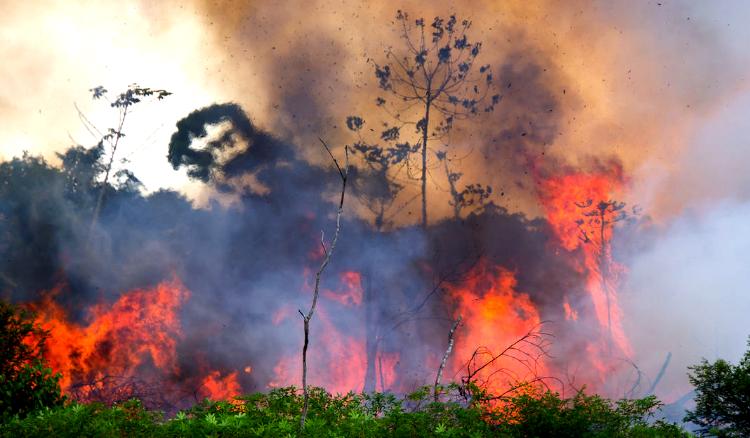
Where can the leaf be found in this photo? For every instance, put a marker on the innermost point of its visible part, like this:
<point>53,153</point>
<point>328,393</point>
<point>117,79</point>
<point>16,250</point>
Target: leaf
<point>354,123</point>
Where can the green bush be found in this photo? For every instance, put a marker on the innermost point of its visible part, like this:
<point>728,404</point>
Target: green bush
<point>26,383</point>
<point>722,400</point>
<point>536,415</point>
<point>276,414</point>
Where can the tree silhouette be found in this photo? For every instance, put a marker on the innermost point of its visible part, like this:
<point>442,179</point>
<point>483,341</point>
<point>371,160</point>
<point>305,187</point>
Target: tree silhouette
<point>431,84</point>
<point>472,195</point>
<point>596,229</point>
<point>378,187</point>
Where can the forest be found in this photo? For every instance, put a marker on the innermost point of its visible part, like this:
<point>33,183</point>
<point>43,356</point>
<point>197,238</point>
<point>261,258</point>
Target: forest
<point>367,280</point>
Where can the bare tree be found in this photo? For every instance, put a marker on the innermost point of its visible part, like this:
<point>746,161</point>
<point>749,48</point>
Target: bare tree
<point>595,228</point>
<point>433,83</point>
<point>327,253</point>
<point>379,187</point>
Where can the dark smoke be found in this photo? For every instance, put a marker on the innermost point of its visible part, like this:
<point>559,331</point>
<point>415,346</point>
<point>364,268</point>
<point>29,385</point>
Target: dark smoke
<point>244,263</point>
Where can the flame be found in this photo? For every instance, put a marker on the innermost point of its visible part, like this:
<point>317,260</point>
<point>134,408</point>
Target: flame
<point>351,295</point>
<point>335,361</point>
<point>140,329</point>
<point>337,358</point>
<point>570,313</point>
<point>125,348</point>
<point>216,387</point>
<point>564,199</point>
<point>495,316</point>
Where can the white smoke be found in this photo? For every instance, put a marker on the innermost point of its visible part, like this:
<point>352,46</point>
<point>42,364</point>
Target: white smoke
<point>688,291</point>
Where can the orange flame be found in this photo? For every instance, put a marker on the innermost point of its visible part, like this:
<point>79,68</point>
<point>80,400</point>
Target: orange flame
<point>122,343</point>
<point>141,328</point>
<point>216,387</point>
<point>562,198</point>
<point>495,316</point>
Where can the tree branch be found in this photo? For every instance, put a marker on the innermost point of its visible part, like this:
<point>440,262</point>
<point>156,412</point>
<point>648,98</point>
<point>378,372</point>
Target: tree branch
<point>445,357</point>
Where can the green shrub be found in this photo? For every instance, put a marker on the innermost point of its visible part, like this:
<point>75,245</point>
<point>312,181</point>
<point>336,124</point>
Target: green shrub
<point>26,383</point>
<point>276,414</point>
<point>547,414</point>
<point>722,401</point>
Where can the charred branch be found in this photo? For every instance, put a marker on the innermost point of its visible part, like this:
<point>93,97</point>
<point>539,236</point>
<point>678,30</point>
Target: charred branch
<point>445,357</point>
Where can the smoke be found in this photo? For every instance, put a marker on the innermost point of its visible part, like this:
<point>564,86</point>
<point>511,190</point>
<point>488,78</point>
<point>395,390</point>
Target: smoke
<point>686,294</point>
<point>657,87</point>
<point>249,266</point>
<point>686,290</point>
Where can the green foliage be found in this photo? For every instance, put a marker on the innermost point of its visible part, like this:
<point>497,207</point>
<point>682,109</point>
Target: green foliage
<point>276,414</point>
<point>26,384</point>
<point>582,416</point>
<point>722,397</point>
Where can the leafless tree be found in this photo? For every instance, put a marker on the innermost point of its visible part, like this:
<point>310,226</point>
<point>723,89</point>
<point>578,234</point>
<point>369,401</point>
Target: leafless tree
<point>327,253</point>
<point>595,228</point>
<point>472,195</point>
<point>528,351</point>
<point>378,186</point>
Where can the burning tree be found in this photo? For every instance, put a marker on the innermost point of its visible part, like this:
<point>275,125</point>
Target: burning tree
<point>432,84</point>
<point>596,229</point>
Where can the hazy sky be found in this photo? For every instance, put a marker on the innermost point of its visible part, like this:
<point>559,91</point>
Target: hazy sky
<point>644,81</point>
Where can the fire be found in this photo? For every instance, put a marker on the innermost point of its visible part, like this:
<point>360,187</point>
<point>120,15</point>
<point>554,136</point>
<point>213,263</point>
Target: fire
<point>217,387</point>
<point>570,312</point>
<point>576,209</point>
<point>338,359</point>
<point>495,316</point>
<point>140,329</point>
<point>351,295</point>
<point>126,348</point>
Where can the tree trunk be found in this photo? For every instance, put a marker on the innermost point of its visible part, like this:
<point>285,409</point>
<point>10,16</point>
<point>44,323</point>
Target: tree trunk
<point>371,334</point>
<point>425,131</point>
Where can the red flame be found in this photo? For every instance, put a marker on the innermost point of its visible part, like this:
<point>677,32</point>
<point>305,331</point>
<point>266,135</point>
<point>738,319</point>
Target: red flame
<point>351,295</point>
<point>495,316</point>
<point>338,362</point>
<point>141,328</point>
<point>217,387</point>
<point>566,199</point>
<point>126,347</point>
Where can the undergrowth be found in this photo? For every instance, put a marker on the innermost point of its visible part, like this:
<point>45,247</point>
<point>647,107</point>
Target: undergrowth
<point>276,414</point>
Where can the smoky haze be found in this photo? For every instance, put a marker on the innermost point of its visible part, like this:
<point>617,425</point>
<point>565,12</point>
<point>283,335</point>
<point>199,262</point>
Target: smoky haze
<point>657,87</point>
